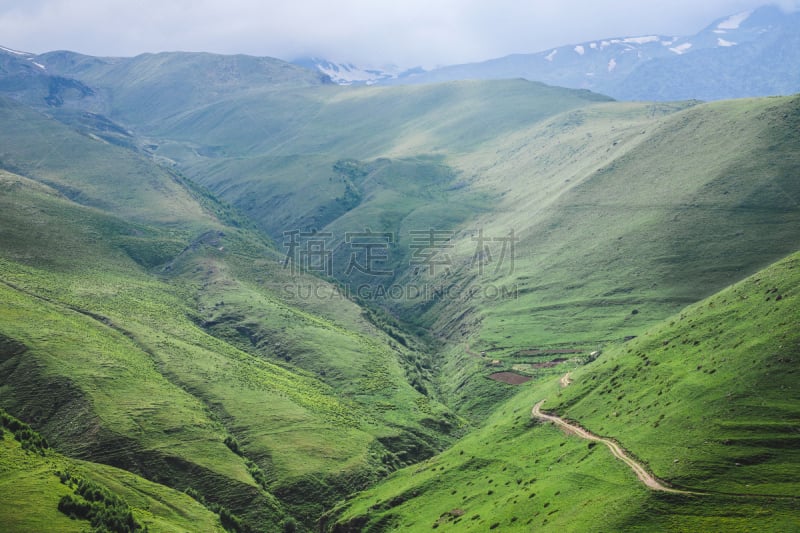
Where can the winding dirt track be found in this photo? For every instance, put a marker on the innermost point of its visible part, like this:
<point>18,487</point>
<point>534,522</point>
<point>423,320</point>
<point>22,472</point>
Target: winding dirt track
<point>565,381</point>
<point>648,479</point>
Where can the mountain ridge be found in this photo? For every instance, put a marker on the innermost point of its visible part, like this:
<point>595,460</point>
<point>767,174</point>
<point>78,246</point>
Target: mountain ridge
<point>650,66</point>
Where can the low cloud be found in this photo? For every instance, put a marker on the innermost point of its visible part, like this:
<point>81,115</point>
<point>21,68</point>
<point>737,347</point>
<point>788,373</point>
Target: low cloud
<point>408,33</point>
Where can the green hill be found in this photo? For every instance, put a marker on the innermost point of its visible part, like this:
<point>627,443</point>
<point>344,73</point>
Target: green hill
<point>36,480</point>
<point>142,309</point>
<point>148,88</point>
<point>625,223</point>
<point>707,400</point>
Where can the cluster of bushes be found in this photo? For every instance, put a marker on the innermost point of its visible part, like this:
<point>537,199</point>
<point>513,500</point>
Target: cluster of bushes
<point>258,475</point>
<point>233,445</point>
<point>383,321</point>
<point>103,509</point>
<point>350,172</point>
<point>22,432</point>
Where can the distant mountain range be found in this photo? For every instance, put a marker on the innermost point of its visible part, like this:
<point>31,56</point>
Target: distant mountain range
<point>754,53</point>
<point>749,54</point>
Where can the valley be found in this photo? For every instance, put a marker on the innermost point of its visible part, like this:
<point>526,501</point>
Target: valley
<point>235,294</point>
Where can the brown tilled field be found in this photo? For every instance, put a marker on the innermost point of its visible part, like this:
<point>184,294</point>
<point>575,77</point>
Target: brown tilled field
<point>510,377</point>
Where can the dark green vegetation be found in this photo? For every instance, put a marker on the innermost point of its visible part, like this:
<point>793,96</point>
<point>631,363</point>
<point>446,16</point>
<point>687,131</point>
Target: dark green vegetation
<point>103,509</point>
<point>29,439</point>
<point>147,321</point>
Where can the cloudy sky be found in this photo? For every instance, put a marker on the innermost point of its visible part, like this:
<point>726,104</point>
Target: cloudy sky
<point>372,32</point>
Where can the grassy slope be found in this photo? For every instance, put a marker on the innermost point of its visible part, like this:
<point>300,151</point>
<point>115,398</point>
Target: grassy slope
<point>712,387</point>
<point>150,87</point>
<point>106,177</point>
<point>31,491</point>
<point>125,354</point>
<point>107,381</point>
<point>272,153</point>
<point>625,212</point>
<point>710,398</point>
<point>633,217</point>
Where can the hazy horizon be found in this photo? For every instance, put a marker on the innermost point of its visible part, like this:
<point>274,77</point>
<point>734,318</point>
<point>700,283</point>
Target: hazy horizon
<point>410,34</point>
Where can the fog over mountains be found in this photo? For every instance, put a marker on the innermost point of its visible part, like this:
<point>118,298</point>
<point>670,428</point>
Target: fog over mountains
<point>754,53</point>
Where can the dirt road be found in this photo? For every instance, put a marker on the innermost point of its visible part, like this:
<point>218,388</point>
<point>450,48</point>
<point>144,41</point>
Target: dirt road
<point>648,479</point>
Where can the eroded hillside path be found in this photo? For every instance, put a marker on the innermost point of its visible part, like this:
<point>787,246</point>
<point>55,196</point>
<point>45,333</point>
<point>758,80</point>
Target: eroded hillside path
<point>644,476</point>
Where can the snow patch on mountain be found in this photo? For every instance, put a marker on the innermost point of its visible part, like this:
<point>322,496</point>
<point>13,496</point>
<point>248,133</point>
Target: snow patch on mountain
<point>681,48</point>
<point>580,50</point>
<point>551,56</point>
<point>735,21</point>
<point>37,64</point>
<point>723,42</point>
<point>612,65</point>
<point>642,40</point>
<point>15,52</point>
<point>350,74</point>
<point>346,74</point>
